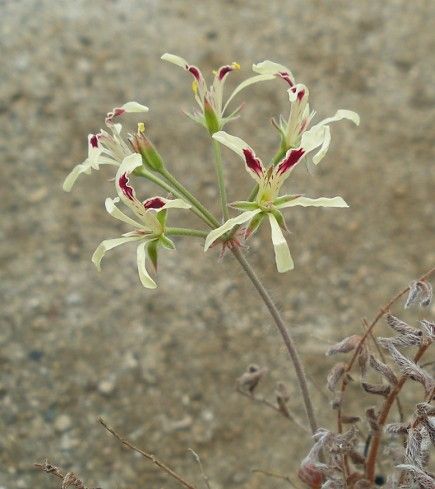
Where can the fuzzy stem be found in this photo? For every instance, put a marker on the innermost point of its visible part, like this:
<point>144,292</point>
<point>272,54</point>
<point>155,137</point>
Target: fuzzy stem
<point>186,232</point>
<point>288,341</point>
<point>220,178</point>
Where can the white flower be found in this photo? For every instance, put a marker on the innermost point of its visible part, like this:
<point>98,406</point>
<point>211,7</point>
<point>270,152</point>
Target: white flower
<point>267,202</point>
<point>212,113</point>
<point>148,223</point>
<point>105,148</point>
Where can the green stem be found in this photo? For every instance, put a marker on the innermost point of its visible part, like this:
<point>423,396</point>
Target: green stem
<point>288,340</point>
<point>205,214</point>
<point>220,178</point>
<point>186,232</point>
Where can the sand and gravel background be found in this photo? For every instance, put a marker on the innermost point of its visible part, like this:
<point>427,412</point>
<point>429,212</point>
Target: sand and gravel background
<point>161,366</point>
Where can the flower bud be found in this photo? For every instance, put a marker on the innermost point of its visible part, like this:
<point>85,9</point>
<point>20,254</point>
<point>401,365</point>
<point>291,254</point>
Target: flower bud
<point>141,144</point>
<point>211,118</point>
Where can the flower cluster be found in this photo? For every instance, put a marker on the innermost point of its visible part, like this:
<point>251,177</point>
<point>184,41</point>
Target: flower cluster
<point>137,156</point>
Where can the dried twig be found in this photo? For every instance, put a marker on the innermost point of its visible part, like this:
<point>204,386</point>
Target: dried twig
<point>271,405</point>
<point>163,467</point>
<point>68,479</point>
<point>268,473</point>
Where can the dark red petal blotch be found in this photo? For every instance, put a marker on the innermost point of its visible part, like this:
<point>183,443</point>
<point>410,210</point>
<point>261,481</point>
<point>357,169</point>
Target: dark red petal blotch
<point>291,159</point>
<point>125,187</point>
<point>154,203</point>
<point>253,163</point>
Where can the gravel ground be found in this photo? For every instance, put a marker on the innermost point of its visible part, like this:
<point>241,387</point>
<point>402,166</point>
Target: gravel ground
<point>161,366</point>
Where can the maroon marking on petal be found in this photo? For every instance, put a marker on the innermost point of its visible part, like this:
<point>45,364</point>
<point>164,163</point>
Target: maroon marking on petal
<point>125,187</point>
<point>194,71</point>
<point>253,163</point>
<point>154,203</point>
<point>301,94</point>
<point>291,159</point>
<point>286,76</point>
<point>118,111</point>
<point>93,140</point>
<point>224,70</point>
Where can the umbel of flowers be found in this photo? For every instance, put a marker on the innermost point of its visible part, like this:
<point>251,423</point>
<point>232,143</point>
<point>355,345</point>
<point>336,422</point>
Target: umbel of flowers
<point>135,156</point>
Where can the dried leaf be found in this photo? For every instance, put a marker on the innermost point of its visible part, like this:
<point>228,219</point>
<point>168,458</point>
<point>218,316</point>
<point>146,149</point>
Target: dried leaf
<point>350,419</point>
<point>378,389</point>
<point>335,375</point>
<point>397,428</point>
<point>357,458</point>
<point>372,419</point>
<point>250,379</point>
<point>428,328</point>
<point>344,346</point>
<point>409,368</point>
<point>420,292</point>
<point>383,369</point>
<point>423,478</point>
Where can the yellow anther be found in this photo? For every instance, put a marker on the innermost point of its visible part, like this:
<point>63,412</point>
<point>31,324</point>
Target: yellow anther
<point>214,72</point>
<point>140,127</point>
<point>235,65</point>
<point>195,86</point>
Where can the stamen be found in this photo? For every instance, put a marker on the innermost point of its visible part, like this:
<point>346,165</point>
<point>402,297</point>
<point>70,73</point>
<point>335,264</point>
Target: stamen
<point>195,86</point>
<point>140,128</point>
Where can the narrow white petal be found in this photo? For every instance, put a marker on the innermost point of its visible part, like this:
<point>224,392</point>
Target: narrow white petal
<point>117,214</point>
<point>134,107</point>
<point>232,142</point>
<point>268,67</point>
<point>324,148</point>
<point>339,115</point>
<point>313,138</point>
<point>283,259</point>
<point>73,175</point>
<point>319,202</point>
<point>176,60</point>
<point>144,276</point>
<point>175,204</point>
<point>228,225</point>
<point>247,83</point>
<point>107,245</point>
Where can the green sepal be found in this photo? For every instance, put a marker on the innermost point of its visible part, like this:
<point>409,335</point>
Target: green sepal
<point>254,224</point>
<point>280,219</point>
<point>286,198</point>
<point>211,119</point>
<point>162,217</point>
<point>166,242</point>
<point>152,252</point>
<point>244,205</point>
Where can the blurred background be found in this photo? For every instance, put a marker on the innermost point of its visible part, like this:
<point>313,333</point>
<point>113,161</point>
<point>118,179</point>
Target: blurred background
<point>161,366</point>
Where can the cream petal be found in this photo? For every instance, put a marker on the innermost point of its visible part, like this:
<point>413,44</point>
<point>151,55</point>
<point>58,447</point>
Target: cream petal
<point>283,259</point>
<point>247,83</point>
<point>253,165</point>
<point>228,225</point>
<point>73,175</point>
<point>107,245</point>
<point>134,107</point>
<point>117,214</point>
<point>339,115</point>
<point>268,67</point>
<point>144,276</point>
<point>324,148</point>
<point>319,202</point>
<point>175,204</point>
<point>176,60</point>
